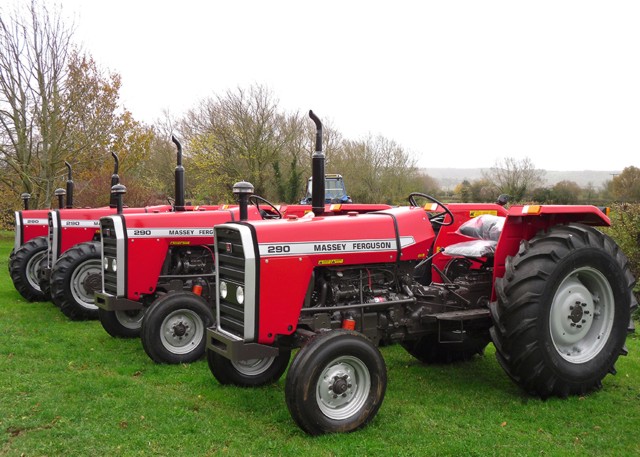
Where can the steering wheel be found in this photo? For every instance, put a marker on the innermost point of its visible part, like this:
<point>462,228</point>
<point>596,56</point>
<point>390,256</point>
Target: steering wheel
<point>437,218</point>
<point>256,199</point>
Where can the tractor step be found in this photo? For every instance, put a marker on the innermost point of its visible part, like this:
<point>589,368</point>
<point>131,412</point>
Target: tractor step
<point>468,314</point>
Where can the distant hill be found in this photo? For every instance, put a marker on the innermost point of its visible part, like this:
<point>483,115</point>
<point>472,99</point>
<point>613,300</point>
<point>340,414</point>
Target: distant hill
<point>448,178</point>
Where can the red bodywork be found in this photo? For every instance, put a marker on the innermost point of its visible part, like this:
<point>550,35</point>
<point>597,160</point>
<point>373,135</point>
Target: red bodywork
<point>30,223</point>
<point>148,238</point>
<point>292,249</point>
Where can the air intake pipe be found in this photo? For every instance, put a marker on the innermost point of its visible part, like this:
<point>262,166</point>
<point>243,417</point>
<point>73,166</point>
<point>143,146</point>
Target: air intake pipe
<point>243,190</point>
<point>60,193</point>
<point>179,174</point>
<point>317,170</point>
<point>115,179</point>
<point>25,196</point>
<point>70,185</point>
<point>117,192</point>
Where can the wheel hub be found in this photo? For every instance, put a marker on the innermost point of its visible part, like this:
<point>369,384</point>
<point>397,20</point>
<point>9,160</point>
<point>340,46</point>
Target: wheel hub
<point>92,283</point>
<point>180,329</point>
<point>340,385</point>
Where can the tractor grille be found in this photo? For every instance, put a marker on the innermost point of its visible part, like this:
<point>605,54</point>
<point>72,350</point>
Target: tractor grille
<point>109,250</point>
<point>231,273</point>
<point>51,241</point>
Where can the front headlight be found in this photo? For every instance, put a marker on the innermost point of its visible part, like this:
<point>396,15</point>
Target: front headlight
<point>240,295</point>
<point>223,289</point>
<point>105,264</point>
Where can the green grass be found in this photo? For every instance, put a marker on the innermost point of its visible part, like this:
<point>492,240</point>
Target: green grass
<point>69,389</point>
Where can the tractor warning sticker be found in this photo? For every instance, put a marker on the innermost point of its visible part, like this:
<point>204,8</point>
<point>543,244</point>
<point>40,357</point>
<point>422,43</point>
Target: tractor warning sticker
<point>331,246</point>
<point>331,262</point>
<point>478,212</point>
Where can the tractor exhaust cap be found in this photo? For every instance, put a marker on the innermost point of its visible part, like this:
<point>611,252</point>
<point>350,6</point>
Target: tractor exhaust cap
<point>317,170</point>
<point>243,190</point>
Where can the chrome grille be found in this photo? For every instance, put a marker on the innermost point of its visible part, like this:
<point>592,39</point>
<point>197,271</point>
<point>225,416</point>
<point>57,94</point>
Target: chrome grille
<point>110,250</point>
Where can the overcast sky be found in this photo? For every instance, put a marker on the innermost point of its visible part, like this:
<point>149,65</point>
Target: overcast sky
<point>456,83</point>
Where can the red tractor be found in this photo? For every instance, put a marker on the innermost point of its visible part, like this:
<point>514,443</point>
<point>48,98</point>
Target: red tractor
<point>30,247</point>
<point>552,292</point>
<point>75,254</point>
<point>158,272</point>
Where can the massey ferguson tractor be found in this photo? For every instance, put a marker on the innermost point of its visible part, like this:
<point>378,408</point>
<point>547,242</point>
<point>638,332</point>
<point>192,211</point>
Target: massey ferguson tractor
<point>552,292</point>
<point>30,247</point>
<point>158,272</point>
<point>74,270</point>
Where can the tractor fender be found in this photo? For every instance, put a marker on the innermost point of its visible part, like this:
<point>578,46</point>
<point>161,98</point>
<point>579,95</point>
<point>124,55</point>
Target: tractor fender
<point>524,221</point>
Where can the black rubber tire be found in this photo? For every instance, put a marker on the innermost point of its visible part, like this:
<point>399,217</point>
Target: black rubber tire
<point>76,275</point>
<point>428,349</point>
<point>11,256</point>
<point>545,301</point>
<point>122,324</point>
<point>43,282</point>
<point>23,268</point>
<point>174,328</point>
<point>250,373</point>
<point>342,367</point>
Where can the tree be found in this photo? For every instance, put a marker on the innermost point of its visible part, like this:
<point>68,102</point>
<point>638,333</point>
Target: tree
<point>33,66</point>
<point>566,193</point>
<point>514,177</point>
<point>56,105</point>
<point>626,185</point>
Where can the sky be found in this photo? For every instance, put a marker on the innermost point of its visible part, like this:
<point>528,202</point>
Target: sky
<point>456,83</point>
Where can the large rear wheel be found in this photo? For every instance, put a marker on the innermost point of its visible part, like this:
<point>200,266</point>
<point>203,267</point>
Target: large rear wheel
<point>336,383</point>
<point>451,347</point>
<point>563,311</point>
<point>24,268</point>
<point>75,278</point>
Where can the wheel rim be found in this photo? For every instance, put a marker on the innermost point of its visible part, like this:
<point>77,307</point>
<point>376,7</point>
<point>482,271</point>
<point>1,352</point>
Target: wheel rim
<point>131,320</point>
<point>581,316</point>
<point>182,331</point>
<point>343,387</point>
<point>253,367</point>
<point>85,281</point>
<point>32,270</point>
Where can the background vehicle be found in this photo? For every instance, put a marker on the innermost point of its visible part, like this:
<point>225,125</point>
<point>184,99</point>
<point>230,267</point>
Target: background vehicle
<point>553,294</point>
<point>334,190</point>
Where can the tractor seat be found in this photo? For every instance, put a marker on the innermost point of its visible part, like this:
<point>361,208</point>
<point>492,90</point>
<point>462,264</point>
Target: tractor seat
<point>486,229</point>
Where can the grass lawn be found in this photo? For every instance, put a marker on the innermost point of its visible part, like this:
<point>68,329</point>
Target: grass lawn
<point>69,389</point>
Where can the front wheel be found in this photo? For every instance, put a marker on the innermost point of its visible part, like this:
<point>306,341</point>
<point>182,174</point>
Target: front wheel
<point>24,268</point>
<point>121,324</point>
<point>248,373</point>
<point>75,278</point>
<point>563,311</point>
<point>174,328</point>
<point>336,383</point>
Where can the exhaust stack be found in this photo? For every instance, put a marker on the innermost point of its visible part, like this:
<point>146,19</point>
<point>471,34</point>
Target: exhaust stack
<point>317,170</point>
<point>115,179</point>
<point>179,173</point>
<point>70,186</point>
